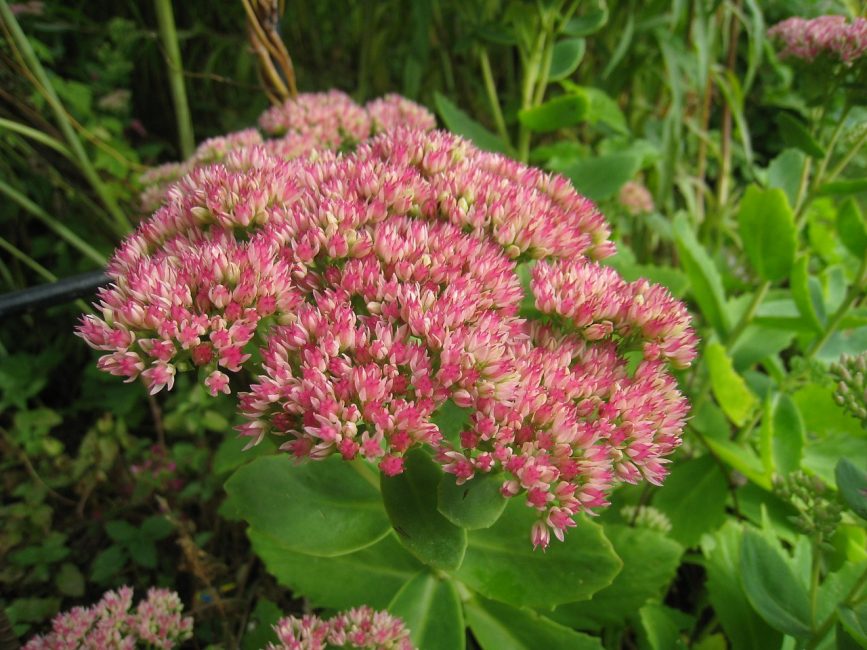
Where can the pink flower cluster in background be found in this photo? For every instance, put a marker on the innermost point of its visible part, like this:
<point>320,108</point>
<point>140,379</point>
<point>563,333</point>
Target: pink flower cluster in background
<point>361,627</point>
<point>346,297</point>
<point>831,36</point>
<point>312,123</point>
<point>156,622</point>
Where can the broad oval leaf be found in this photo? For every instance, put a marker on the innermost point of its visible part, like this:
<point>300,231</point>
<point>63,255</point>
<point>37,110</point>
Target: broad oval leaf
<point>501,564</point>
<point>557,113</point>
<point>475,504</point>
<point>767,228</point>
<point>322,508</point>
<point>704,278</point>
<point>694,499</point>
<point>411,502</point>
<point>743,626</point>
<point>591,21</point>
<point>497,626</point>
<point>789,435</point>
<point>852,483</point>
<point>432,611</point>
<point>600,178</point>
<point>371,576</point>
<point>772,587</point>
<point>457,121</point>
<point>854,621</point>
<point>650,561</point>
<point>566,57</point>
<point>729,388</point>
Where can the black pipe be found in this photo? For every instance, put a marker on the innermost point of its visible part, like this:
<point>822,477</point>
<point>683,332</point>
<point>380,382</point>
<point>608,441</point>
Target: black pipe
<point>53,293</point>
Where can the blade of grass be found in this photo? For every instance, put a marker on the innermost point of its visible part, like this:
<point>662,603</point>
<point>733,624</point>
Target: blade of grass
<point>61,230</point>
<point>31,61</point>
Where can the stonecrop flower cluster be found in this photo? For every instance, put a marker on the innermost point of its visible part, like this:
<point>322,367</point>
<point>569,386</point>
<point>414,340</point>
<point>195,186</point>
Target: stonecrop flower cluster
<point>345,297</point>
<point>313,122</point>
<point>361,627</point>
<point>156,622</point>
<point>831,36</point>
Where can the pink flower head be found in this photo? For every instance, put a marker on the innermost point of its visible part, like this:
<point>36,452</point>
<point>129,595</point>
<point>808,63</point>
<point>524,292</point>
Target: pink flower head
<point>157,621</point>
<point>352,295</point>
<point>361,627</point>
<point>831,36</point>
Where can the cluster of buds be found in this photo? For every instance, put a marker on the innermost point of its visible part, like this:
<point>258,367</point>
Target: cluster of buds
<point>647,517</point>
<point>158,470</point>
<point>347,297</point>
<point>819,512</point>
<point>361,627</point>
<point>636,199</point>
<point>829,36</point>
<point>156,622</point>
<point>851,391</point>
<point>305,126</point>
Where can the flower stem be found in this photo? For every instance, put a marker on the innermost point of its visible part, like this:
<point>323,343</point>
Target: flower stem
<point>493,98</point>
<point>829,621</point>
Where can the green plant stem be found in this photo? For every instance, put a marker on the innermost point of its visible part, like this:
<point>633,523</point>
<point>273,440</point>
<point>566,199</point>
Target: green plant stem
<point>748,315</point>
<point>36,135</point>
<point>493,98</point>
<point>855,291</point>
<point>531,73</point>
<point>47,90</point>
<point>169,39</point>
<point>832,143</point>
<point>829,621</point>
<point>61,230</point>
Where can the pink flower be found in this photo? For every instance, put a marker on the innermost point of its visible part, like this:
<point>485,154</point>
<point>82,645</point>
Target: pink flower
<point>361,627</point>
<point>353,295</point>
<point>831,36</point>
<point>157,621</point>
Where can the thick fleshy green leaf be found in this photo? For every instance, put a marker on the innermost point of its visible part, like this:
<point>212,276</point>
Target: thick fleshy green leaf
<point>650,560</point>
<point>411,502</point>
<point>796,135</point>
<point>497,626</point>
<point>767,229</point>
<point>661,626</point>
<point>601,177</point>
<point>729,388</point>
<point>601,107</point>
<point>772,587</point>
<point>744,628</point>
<point>321,508</point>
<point>821,456</point>
<point>501,563</point>
<point>432,611</point>
<point>566,57</point>
<point>784,172</point>
<point>705,281</point>
<point>789,435</point>
<point>806,297</point>
<point>594,16</point>
<point>457,121</point>
<point>475,504</point>
<point>852,483</point>
<point>557,113</point>
<point>852,229</point>
<point>371,576</point>
<point>694,499</point>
